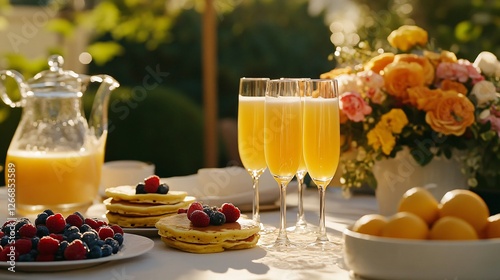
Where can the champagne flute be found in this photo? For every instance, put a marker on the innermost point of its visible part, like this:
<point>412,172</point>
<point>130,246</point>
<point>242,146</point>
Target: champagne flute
<point>321,144</point>
<point>251,101</point>
<point>283,143</point>
<point>301,226</point>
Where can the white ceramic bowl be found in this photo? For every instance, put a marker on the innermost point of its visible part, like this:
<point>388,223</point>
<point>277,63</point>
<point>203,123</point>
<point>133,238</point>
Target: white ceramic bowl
<point>390,258</point>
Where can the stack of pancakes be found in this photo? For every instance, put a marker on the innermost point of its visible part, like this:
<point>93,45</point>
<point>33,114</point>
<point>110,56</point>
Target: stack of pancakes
<point>177,231</point>
<point>128,209</point>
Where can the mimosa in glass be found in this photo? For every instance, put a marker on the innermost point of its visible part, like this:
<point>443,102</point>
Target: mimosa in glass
<point>251,103</point>
<point>321,144</point>
<point>283,143</point>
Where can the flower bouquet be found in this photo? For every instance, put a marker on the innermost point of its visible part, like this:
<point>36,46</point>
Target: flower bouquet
<point>427,101</point>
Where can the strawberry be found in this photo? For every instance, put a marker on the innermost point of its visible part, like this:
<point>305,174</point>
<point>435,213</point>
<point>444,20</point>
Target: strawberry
<point>151,184</point>
<point>231,212</point>
<point>199,218</point>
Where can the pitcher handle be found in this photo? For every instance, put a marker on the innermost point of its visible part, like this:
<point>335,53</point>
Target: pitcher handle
<point>23,88</point>
<point>98,121</point>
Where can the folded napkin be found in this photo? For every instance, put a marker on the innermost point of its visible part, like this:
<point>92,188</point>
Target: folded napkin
<point>215,186</point>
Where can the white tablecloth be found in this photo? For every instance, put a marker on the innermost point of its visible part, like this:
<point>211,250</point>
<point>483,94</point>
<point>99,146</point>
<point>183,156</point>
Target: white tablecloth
<point>163,262</point>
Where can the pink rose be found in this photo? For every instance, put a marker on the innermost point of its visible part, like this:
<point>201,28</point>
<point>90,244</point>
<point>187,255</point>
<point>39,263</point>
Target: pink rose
<point>372,84</point>
<point>354,106</point>
<point>452,71</point>
<point>493,116</point>
<point>472,71</point>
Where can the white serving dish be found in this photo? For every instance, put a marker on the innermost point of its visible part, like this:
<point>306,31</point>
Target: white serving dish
<point>375,257</point>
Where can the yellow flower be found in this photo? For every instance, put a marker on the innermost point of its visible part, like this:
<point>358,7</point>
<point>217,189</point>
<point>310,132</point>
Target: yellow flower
<point>394,120</point>
<point>379,62</point>
<point>332,74</point>
<point>407,36</point>
<point>452,114</point>
<point>381,137</point>
<point>400,76</point>
<point>436,58</point>
<point>422,61</point>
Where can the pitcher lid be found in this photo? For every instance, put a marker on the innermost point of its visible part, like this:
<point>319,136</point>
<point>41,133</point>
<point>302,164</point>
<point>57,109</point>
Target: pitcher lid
<point>56,79</point>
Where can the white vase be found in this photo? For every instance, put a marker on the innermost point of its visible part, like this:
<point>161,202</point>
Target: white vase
<point>397,175</point>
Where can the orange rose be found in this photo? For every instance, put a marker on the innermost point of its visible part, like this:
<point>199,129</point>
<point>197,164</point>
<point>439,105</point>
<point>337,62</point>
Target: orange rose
<point>423,98</point>
<point>407,36</point>
<point>336,72</point>
<point>452,85</point>
<point>398,77</point>
<point>379,62</point>
<point>452,114</point>
<point>423,61</point>
<point>436,58</point>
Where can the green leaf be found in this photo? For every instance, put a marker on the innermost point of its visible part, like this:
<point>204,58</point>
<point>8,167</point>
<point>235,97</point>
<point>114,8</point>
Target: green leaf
<point>61,26</point>
<point>466,31</point>
<point>103,52</point>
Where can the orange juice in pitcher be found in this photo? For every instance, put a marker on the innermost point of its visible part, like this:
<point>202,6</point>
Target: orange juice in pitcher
<point>55,158</point>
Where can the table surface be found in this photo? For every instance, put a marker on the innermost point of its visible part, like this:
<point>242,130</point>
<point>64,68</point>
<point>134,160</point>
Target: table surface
<point>163,262</point>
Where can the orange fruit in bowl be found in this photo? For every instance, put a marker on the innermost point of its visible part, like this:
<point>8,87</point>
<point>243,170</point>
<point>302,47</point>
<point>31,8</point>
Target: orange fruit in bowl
<point>420,202</point>
<point>405,225</point>
<point>371,224</point>
<point>493,227</point>
<point>466,205</point>
<point>452,228</point>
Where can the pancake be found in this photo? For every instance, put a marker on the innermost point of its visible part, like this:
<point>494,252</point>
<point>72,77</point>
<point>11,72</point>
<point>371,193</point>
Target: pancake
<point>135,221</point>
<point>178,232</point>
<point>128,193</point>
<point>212,248</point>
<point>124,207</point>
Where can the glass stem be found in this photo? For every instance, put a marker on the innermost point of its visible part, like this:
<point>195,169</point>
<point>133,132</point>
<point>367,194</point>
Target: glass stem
<point>256,202</point>
<point>301,221</point>
<point>322,229</point>
<point>282,236</point>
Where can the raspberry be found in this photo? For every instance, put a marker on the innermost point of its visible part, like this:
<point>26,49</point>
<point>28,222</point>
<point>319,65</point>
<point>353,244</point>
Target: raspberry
<point>23,246</point>
<point>59,237</point>
<point>192,207</point>
<point>48,245</point>
<point>28,230</point>
<point>199,218</point>
<point>55,223</point>
<point>92,223</point>
<point>45,257</point>
<point>105,232</point>
<point>182,210</point>
<point>2,234</point>
<point>75,251</point>
<point>7,250</point>
<point>231,212</point>
<point>117,229</point>
<point>101,223</point>
<point>74,220</point>
<point>151,184</point>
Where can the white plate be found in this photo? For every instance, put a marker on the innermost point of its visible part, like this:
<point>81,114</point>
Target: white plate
<point>134,245</point>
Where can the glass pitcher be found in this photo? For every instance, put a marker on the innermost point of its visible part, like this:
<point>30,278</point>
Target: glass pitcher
<point>55,158</point>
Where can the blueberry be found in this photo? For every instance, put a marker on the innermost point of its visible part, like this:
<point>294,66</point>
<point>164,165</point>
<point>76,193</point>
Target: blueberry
<point>34,242</point>
<point>163,188</point>
<point>26,258</point>
<point>106,250</point>
<point>42,230</point>
<point>94,253</point>
<point>217,218</point>
<point>85,227</point>
<point>73,236</point>
<point>207,209</point>
<point>90,238</point>
<point>60,250</point>
<point>41,218</point>
<point>4,241</point>
<point>49,212</point>
<point>118,237</point>
<point>21,222</point>
<point>100,242</point>
<point>72,229</point>
<point>7,228</point>
<point>113,243</point>
<point>139,189</point>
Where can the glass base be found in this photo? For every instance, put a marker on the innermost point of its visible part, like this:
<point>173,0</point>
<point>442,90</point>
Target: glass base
<point>65,209</point>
